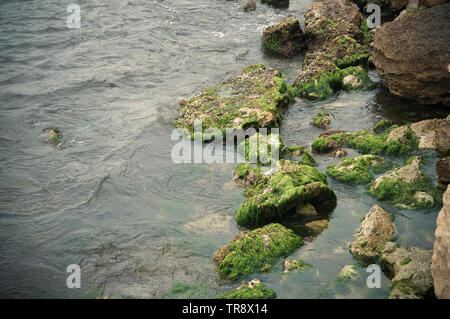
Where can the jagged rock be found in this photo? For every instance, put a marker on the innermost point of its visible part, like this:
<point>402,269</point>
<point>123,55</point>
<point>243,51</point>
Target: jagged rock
<point>376,229</point>
<point>443,172</point>
<point>252,99</point>
<point>440,266</point>
<point>250,6</point>
<point>285,37</point>
<point>405,186</point>
<point>251,290</point>
<point>317,226</point>
<point>278,195</point>
<point>411,55</point>
<point>410,269</point>
<point>356,170</point>
<point>295,265</point>
<point>256,250</point>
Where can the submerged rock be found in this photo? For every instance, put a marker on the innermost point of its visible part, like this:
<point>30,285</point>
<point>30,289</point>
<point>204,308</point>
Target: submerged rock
<point>291,265</point>
<point>253,251</point>
<point>440,266</point>
<point>356,170</point>
<point>348,272</point>
<point>274,197</point>
<point>317,226</point>
<point>321,120</point>
<point>250,6</point>
<point>443,172</point>
<point>410,269</point>
<point>251,290</point>
<point>382,125</point>
<point>285,37</point>
<point>376,229</point>
<point>54,137</point>
<point>297,151</point>
<point>252,99</point>
<point>306,210</point>
<point>411,55</point>
<point>405,186</point>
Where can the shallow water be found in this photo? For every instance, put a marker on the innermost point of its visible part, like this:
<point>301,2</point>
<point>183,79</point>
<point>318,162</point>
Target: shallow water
<point>110,199</point>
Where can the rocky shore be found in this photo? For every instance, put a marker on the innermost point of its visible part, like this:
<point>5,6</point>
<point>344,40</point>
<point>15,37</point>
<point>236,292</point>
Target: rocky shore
<point>411,58</point>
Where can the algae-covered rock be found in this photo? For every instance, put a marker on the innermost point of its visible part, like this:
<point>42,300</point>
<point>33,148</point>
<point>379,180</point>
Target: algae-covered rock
<point>366,142</point>
<point>252,99</point>
<point>317,226</point>
<point>410,269</point>
<point>54,137</point>
<point>246,175</point>
<point>347,273</point>
<point>356,170</point>
<point>382,125</point>
<point>321,120</point>
<point>251,290</point>
<point>376,229</point>
<point>250,6</point>
<point>285,37</point>
<point>292,265</point>
<point>274,197</point>
<point>405,186</point>
<point>259,148</point>
<point>299,152</point>
<point>251,251</point>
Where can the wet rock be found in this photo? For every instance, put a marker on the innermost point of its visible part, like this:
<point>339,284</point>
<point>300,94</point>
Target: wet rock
<point>292,265</point>
<point>252,149</point>
<point>299,152</point>
<point>250,6</point>
<point>434,134</point>
<point>340,153</point>
<point>246,176</point>
<point>348,272</point>
<point>274,197</point>
<point>252,99</point>
<point>382,125</point>
<point>410,269</point>
<point>376,229</point>
<point>285,37</point>
<point>443,172</point>
<point>411,55</point>
<point>251,290</point>
<point>277,3</point>
<point>317,226</point>
<point>252,251</point>
<point>321,120</point>
<point>356,170</point>
<point>335,10</point>
<point>306,210</point>
<point>54,137</point>
<point>440,266</point>
<point>405,186</point>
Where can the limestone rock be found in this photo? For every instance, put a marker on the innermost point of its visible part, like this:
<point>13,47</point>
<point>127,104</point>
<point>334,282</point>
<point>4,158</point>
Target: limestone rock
<point>443,171</point>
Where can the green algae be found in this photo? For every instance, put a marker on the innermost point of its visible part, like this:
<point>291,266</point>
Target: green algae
<point>382,126</point>
<point>181,290</point>
<point>252,250</point>
<point>262,149</point>
<point>321,120</point>
<point>255,291</point>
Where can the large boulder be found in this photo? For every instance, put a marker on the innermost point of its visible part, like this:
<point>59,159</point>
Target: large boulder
<point>285,37</point>
<point>411,55</point>
<point>376,229</point>
<point>410,270</point>
<point>440,266</point>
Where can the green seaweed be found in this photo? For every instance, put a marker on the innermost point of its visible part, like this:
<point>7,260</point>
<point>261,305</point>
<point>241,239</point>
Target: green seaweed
<point>258,291</point>
<point>357,170</point>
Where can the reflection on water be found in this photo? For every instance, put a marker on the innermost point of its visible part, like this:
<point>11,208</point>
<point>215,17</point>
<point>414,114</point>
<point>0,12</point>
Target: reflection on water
<point>110,199</point>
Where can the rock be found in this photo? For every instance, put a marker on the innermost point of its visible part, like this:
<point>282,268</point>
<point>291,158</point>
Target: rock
<point>246,176</point>
<point>405,186</point>
<point>348,272</point>
<point>277,3</point>
<point>336,48</point>
<point>306,210</point>
<point>340,153</point>
<point>295,265</point>
<point>382,125</point>
<point>388,7</point>
<point>251,151</point>
<point>251,290</point>
<point>250,6</point>
<point>285,37</point>
<point>443,171</point>
<point>409,267</point>
<point>411,55</point>
<point>251,251</point>
<point>317,226</point>
<point>356,170</point>
<point>440,266</point>
<point>321,120</point>
<point>434,134</point>
<point>274,197</point>
<point>54,137</point>
<point>252,99</point>
<point>296,151</point>
<point>376,229</point>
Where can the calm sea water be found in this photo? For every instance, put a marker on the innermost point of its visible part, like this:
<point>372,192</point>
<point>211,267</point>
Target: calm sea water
<point>110,199</point>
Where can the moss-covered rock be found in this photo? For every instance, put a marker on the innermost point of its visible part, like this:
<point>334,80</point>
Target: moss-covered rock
<point>382,126</point>
<point>181,290</point>
<point>254,98</point>
<point>348,273</point>
<point>366,142</point>
<point>406,186</point>
<point>357,170</point>
<point>299,152</point>
<point>251,251</point>
<point>54,137</point>
<point>292,265</point>
<point>263,149</point>
<point>321,120</point>
<point>246,175</point>
<point>251,290</point>
<point>285,37</point>
<point>250,6</point>
<point>274,197</point>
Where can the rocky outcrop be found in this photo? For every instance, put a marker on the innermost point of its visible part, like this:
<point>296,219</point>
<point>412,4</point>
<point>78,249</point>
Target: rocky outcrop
<point>256,250</point>
<point>443,172</point>
<point>336,48</point>
<point>285,37</point>
<point>278,195</point>
<point>410,270</point>
<point>411,55</point>
<point>251,290</point>
<point>405,186</point>
<point>440,266</point>
<point>252,99</point>
<point>376,229</point>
